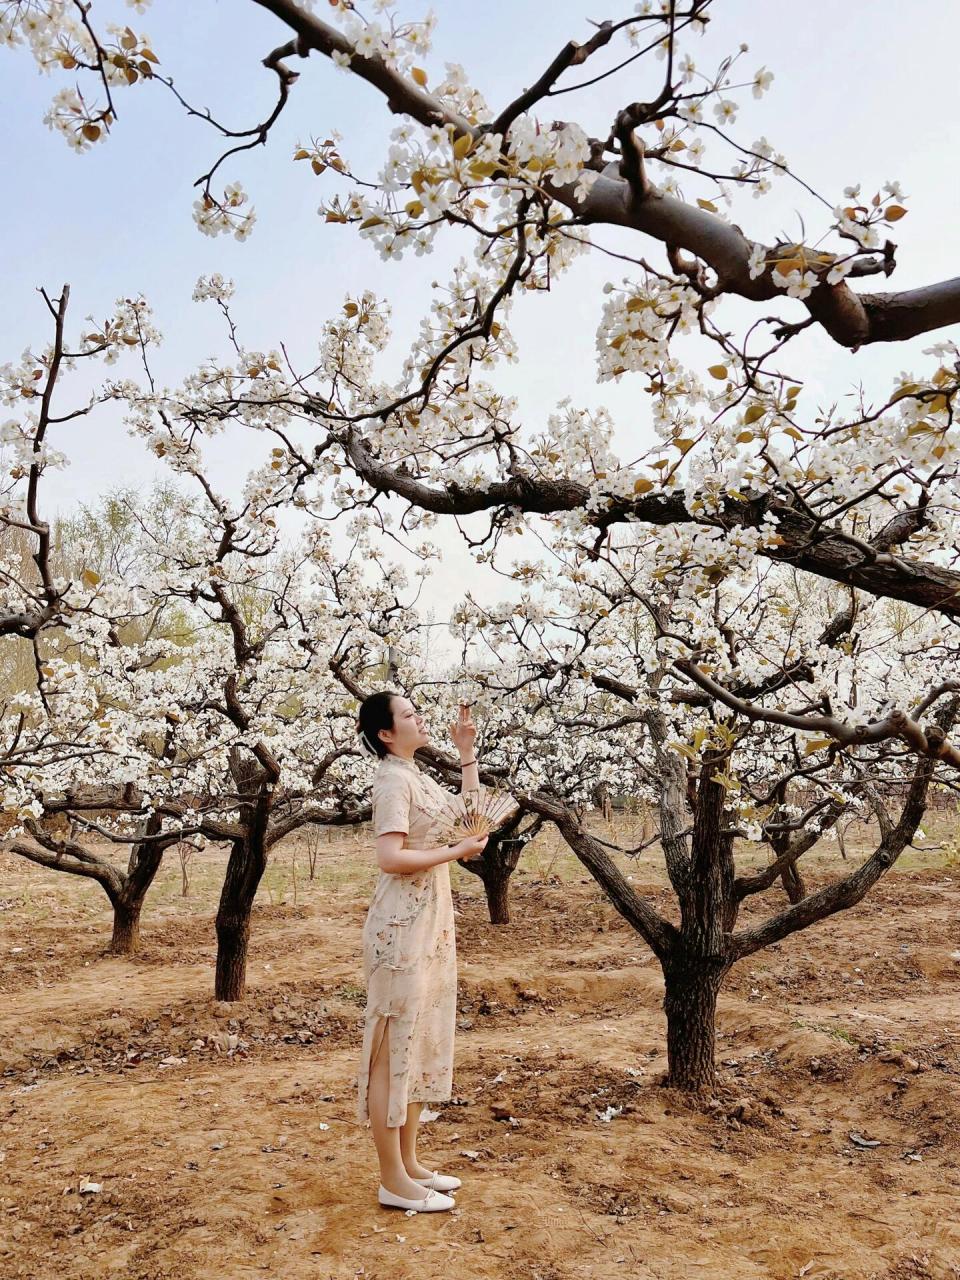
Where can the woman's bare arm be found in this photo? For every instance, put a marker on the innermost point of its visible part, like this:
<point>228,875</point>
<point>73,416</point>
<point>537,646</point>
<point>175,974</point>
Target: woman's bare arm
<point>395,860</point>
<point>464,734</point>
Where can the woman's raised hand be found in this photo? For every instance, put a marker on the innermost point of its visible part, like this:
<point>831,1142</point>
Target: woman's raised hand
<point>464,732</point>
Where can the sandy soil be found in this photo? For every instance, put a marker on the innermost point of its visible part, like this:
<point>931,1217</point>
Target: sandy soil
<point>223,1137</point>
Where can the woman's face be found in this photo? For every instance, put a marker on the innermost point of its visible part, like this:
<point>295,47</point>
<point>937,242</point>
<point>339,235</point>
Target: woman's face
<point>409,731</point>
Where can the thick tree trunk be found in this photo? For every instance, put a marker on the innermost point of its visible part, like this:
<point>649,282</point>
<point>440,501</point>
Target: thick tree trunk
<point>497,884</point>
<point>495,867</point>
<point>244,871</point>
<point>233,937</point>
<point>145,859</point>
<point>126,926</point>
<point>694,967</point>
<point>690,1004</point>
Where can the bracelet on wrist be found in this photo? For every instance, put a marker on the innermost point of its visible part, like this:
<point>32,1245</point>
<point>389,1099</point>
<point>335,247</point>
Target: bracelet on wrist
<point>465,764</point>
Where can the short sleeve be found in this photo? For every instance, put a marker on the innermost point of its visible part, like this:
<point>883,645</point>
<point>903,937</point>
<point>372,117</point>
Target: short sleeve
<point>392,798</point>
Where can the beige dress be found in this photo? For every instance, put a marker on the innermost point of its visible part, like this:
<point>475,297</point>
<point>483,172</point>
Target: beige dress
<point>409,951</point>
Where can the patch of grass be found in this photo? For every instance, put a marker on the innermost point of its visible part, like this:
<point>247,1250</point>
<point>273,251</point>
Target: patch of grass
<point>835,1033</point>
<point>350,991</point>
<point>938,858</point>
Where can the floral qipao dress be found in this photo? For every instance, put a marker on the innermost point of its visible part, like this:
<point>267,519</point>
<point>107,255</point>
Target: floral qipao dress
<point>409,951</point>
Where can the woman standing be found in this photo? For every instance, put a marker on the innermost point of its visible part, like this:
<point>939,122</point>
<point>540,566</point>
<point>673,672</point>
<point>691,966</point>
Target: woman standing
<point>409,950</point>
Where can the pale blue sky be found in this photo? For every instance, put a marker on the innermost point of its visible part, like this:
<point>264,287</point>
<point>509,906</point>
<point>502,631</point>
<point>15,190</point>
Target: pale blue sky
<point>864,91</point>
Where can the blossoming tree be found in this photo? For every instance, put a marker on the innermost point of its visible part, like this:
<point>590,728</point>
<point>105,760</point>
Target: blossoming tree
<point>741,480</point>
<point>184,692</point>
<point>749,709</point>
<point>736,450</point>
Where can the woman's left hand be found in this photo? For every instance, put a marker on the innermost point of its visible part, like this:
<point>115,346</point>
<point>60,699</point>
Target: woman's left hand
<point>464,732</point>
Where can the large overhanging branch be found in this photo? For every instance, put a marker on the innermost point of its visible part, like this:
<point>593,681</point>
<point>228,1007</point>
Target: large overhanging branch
<point>851,319</point>
<point>795,673</point>
<point>316,815</point>
<point>129,800</point>
<point>817,549</point>
<point>897,723</point>
<point>70,856</point>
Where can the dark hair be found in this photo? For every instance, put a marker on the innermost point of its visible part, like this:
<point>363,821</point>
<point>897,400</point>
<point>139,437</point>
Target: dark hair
<point>375,714</point>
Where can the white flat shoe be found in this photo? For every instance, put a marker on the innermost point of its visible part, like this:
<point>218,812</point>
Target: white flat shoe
<point>440,1182</point>
<point>432,1202</point>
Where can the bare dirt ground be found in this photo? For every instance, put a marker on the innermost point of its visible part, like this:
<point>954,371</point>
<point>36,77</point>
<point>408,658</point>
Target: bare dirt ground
<point>224,1142</point>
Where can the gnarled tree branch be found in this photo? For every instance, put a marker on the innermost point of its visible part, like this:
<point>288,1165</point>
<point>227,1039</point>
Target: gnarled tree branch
<point>851,319</point>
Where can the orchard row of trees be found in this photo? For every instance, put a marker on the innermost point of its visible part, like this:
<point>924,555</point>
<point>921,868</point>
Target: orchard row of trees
<point>750,623</point>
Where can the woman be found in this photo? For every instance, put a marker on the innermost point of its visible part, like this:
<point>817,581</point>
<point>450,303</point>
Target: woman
<point>409,950</point>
